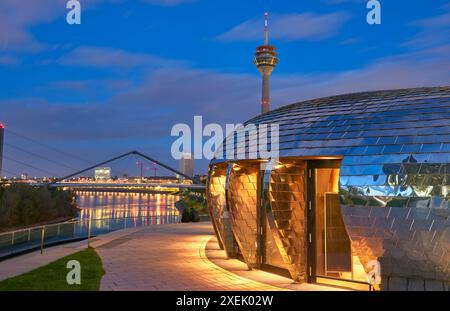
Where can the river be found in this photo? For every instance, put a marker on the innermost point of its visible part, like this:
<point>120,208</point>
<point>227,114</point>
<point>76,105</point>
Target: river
<point>100,213</point>
<point>111,210</point>
<point>125,205</point>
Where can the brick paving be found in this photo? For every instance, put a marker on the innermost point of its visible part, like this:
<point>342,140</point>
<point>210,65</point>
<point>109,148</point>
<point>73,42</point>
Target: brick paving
<point>168,257</point>
<point>183,257</point>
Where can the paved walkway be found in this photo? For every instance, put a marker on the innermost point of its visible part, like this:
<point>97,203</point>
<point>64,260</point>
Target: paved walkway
<point>183,257</point>
<point>169,257</point>
<point>25,263</point>
<point>218,257</point>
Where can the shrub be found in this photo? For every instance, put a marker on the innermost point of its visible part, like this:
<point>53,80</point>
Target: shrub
<point>190,215</point>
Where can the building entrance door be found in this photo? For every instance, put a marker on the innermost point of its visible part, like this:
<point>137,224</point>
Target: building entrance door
<point>329,248</point>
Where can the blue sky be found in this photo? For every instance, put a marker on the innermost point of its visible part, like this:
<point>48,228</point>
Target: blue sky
<point>132,69</point>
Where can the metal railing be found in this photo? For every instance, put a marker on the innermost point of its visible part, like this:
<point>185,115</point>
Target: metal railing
<point>40,237</point>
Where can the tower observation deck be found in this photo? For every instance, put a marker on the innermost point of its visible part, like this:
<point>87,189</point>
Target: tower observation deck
<point>266,60</point>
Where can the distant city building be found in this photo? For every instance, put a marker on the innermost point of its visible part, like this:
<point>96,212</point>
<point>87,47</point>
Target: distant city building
<point>187,164</point>
<point>2,132</point>
<point>102,173</point>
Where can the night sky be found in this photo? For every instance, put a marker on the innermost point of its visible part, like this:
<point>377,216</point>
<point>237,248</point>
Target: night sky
<point>133,69</point>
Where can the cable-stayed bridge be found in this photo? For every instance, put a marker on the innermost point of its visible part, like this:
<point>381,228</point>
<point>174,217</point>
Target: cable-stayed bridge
<point>182,181</point>
<point>146,174</point>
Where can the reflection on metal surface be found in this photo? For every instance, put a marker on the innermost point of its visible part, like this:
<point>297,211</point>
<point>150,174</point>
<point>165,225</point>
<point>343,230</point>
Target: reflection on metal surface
<point>242,199</point>
<point>410,243</point>
<point>395,174</point>
<point>285,210</point>
<point>333,247</point>
<point>215,196</point>
<point>217,204</point>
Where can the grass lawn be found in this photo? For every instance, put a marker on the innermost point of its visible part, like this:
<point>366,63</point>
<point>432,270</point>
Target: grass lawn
<point>52,277</point>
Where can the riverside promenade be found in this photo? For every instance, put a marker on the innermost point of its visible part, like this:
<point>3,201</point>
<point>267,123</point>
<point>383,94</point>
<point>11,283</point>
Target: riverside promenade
<point>183,257</point>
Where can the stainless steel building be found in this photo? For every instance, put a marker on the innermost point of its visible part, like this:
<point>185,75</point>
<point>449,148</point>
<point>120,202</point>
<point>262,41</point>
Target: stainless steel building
<point>362,179</point>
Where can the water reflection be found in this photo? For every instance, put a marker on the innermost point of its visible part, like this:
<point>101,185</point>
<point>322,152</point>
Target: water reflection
<point>101,205</point>
<point>100,213</point>
<point>110,211</point>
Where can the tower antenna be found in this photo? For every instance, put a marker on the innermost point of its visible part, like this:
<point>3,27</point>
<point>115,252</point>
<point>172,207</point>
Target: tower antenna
<point>266,29</point>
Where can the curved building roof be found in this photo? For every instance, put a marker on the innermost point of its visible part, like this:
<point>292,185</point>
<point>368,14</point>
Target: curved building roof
<point>393,143</point>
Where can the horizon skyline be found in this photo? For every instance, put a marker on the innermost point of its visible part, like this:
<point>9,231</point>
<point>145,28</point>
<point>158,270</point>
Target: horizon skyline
<point>115,83</point>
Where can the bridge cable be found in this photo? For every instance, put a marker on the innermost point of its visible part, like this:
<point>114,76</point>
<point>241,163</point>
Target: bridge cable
<point>39,156</point>
<point>31,166</point>
<point>48,147</point>
<point>120,157</point>
<point>8,172</point>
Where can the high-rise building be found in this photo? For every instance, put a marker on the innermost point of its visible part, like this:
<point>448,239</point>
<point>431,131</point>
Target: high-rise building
<point>2,132</point>
<point>187,164</point>
<point>266,60</point>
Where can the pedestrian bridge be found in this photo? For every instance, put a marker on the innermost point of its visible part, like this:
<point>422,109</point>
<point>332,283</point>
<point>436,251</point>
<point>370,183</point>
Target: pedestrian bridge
<point>123,186</point>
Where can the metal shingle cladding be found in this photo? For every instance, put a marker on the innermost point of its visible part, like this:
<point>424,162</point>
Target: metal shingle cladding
<point>394,143</point>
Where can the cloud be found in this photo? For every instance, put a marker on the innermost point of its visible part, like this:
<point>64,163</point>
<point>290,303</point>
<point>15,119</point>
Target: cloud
<point>168,2</point>
<point>427,67</point>
<point>185,92</point>
<point>9,61</point>
<point>109,58</point>
<point>148,111</point>
<point>86,89</point>
<point>433,31</point>
<point>332,2</point>
<point>141,116</point>
<point>172,95</point>
<point>18,17</point>
<point>439,21</point>
<point>289,27</point>
<point>350,41</point>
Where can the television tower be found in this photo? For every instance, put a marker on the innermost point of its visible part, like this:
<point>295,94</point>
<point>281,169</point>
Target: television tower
<point>266,60</point>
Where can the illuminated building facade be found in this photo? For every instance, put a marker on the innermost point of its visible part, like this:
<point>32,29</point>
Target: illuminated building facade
<point>362,180</point>
<point>102,173</point>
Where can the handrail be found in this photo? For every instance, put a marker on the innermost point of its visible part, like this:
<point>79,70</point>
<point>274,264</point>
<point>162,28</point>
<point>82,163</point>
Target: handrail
<point>39,237</point>
<point>76,221</point>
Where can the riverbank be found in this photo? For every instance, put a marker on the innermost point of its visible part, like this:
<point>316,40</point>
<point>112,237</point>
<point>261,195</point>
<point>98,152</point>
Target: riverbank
<point>23,206</point>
